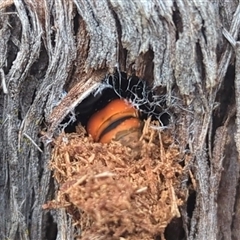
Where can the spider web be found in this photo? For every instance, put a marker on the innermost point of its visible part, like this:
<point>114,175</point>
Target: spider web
<point>138,92</point>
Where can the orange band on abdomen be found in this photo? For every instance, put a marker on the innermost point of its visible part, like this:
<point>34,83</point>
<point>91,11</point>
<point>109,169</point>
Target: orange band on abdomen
<point>116,110</point>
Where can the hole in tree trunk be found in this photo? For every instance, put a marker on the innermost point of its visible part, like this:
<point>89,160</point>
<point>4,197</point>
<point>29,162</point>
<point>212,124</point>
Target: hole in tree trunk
<point>134,90</point>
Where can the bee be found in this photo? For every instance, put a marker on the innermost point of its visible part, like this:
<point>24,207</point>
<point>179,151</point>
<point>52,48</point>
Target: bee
<point>118,121</point>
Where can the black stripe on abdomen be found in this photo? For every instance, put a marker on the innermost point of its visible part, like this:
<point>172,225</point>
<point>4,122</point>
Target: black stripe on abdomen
<point>113,125</point>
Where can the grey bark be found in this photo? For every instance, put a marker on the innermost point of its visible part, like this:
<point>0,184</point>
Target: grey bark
<point>48,47</point>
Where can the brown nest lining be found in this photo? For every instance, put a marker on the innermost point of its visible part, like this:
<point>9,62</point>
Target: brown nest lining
<point>114,191</point>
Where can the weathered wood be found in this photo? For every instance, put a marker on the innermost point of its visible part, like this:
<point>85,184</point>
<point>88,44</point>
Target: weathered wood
<point>48,48</point>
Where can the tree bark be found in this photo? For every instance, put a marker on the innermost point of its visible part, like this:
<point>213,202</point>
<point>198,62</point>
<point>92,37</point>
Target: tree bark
<point>188,48</point>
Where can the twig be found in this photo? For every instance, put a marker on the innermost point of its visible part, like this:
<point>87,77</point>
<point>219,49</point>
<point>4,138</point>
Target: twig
<point>28,137</point>
<point>4,86</point>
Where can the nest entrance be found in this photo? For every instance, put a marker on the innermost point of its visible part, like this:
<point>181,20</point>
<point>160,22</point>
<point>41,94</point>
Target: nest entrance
<point>138,92</point>
<point>114,191</point>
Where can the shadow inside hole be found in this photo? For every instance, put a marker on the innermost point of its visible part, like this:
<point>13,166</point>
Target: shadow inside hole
<point>174,230</point>
<point>191,203</point>
<point>51,229</point>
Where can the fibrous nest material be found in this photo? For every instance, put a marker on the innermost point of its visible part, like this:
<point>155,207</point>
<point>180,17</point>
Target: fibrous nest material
<point>115,192</point>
